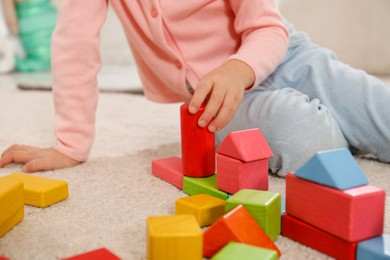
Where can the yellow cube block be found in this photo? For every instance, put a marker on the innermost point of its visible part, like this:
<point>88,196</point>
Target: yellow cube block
<point>174,237</point>
<point>205,208</point>
<point>11,204</point>
<point>41,191</point>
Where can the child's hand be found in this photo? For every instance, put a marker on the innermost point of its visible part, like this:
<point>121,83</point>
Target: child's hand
<point>36,159</point>
<point>222,89</point>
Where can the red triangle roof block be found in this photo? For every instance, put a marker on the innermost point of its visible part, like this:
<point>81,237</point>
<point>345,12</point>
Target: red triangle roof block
<point>245,145</point>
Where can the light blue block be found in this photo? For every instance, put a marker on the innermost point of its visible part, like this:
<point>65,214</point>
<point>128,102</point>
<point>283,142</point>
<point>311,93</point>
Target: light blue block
<point>334,168</point>
<point>283,206</point>
<point>377,248</point>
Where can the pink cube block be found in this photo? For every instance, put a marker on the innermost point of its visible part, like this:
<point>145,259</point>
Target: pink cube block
<point>234,175</point>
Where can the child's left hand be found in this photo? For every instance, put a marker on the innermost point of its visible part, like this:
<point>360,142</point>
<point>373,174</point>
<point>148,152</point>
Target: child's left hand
<point>222,90</point>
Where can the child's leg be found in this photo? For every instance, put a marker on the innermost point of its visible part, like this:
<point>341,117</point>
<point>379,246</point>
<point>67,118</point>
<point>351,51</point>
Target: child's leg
<point>294,126</point>
<point>360,103</point>
<point>313,102</point>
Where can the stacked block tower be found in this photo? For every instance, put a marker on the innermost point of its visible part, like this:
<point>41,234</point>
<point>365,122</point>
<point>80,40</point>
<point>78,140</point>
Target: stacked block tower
<point>242,161</point>
<point>229,195</point>
<point>330,205</point>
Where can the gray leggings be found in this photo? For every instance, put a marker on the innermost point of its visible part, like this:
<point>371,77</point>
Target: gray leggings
<point>314,102</point>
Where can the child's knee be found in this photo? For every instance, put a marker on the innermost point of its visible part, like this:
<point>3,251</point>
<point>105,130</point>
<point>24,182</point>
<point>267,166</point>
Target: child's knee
<point>297,128</point>
<point>294,126</point>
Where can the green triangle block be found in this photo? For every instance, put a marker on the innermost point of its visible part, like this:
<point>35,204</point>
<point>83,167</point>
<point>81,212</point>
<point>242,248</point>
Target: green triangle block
<point>234,251</point>
<point>207,185</point>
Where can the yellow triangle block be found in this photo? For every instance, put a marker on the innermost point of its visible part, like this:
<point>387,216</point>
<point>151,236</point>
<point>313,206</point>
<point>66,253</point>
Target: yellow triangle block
<point>11,204</point>
<point>41,191</point>
<point>174,237</point>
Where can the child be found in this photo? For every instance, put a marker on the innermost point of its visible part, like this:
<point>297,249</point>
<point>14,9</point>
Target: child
<point>250,67</point>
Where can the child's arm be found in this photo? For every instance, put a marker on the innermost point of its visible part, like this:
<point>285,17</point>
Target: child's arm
<point>75,64</point>
<point>264,41</point>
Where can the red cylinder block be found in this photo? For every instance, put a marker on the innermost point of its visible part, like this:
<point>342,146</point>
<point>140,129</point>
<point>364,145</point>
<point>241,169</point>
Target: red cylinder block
<point>197,145</point>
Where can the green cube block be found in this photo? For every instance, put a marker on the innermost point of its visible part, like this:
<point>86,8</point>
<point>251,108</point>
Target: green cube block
<point>264,206</point>
<point>207,185</point>
<point>234,251</point>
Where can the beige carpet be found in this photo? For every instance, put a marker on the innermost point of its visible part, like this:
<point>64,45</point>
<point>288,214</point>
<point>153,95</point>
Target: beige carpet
<point>112,194</point>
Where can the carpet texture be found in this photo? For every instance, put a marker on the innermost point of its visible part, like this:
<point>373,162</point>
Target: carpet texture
<point>113,193</point>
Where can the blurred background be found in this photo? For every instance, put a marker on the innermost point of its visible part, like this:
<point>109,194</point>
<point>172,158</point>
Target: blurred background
<point>358,31</point>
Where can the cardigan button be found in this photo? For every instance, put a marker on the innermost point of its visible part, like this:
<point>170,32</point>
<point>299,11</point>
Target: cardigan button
<point>178,65</point>
<point>153,12</point>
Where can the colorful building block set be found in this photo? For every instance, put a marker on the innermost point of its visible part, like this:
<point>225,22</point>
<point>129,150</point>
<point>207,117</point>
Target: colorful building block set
<point>230,213</point>
<point>329,204</point>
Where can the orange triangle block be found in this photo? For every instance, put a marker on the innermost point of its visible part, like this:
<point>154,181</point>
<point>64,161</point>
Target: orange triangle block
<point>245,145</point>
<point>238,226</point>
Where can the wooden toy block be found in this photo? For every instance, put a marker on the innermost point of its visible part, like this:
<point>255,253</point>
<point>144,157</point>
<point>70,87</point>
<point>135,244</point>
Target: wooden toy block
<point>237,226</point>
<point>40,191</point>
<point>98,254</point>
<point>334,168</point>
<point>169,170</point>
<point>206,185</point>
<point>377,248</point>
<point>242,161</point>
<point>283,205</point>
<point>245,145</point>
<point>317,239</point>
<point>234,251</point>
<point>174,237</point>
<point>353,214</point>
<point>205,208</point>
<point>234,175</point>
<point>264,206</point>
<point>197,145</point>
<point>11,204</point>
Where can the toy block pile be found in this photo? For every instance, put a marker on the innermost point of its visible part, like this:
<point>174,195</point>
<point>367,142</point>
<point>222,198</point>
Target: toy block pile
<point>17,189</point>
<point>180,236</point>
<point>241,215</point>
<point>241,159</point>
<point>331,207</point>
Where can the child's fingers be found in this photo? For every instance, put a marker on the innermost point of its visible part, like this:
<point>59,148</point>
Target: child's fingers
<point>212,108</point>
<point>15,147</point>
<point>14,156</point>
<point>200,95</point>
<point>225,113</point>
<point>40,164</point>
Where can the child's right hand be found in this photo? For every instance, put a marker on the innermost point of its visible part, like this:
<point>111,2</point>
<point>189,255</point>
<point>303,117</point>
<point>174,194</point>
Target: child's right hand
<point>36,159</point>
